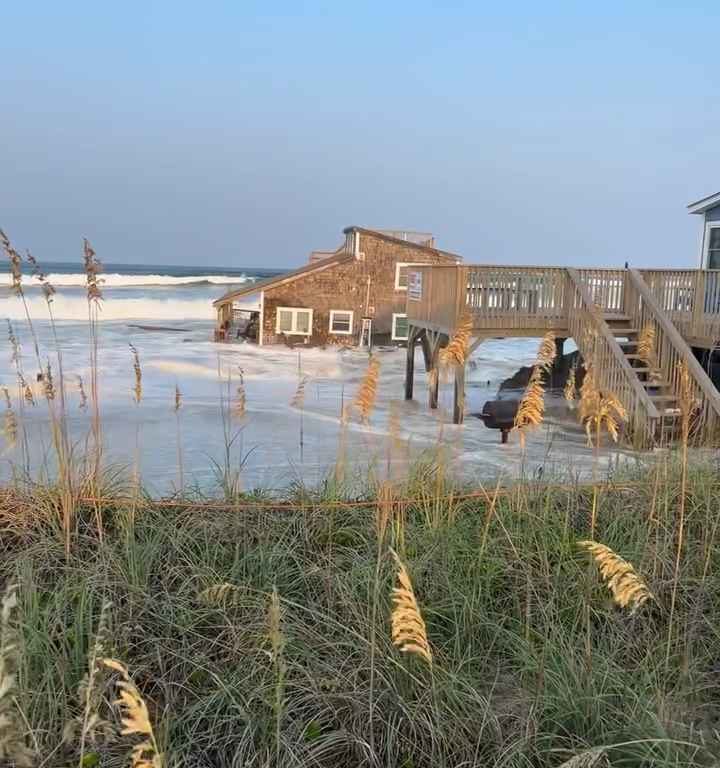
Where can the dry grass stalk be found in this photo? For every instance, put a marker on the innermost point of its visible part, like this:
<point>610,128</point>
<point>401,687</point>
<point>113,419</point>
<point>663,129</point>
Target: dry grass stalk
<point>15,356</point>
<point>570,389</point>
<point>588,759</point>
<point>686,399</point>
<point>409,633</point>
<point>220,594</point>
<point>178,398</point>
<point>599,410</point>
<point>10,425</point>
<point>48,383</point>
<point>627,588</point>
<point>646,345</point>
<point>137,388</point>
<point>93,268</point>
<point>531,411</point>
<point>47,289</point>
<point>547,351</point>
<point>298,400</point>
<point>27,392</point>
<point>456,351</point>
<point>365,398</point>
<point>13,747</point>
<point>81,392</point>
<point>15,264</point>
<point>383,511</point>
<point>239,406</point>
<point>89,726</point>
<point>135,719</point>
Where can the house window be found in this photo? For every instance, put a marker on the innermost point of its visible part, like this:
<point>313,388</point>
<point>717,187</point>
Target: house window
<point>341,321</point>
<point>713,247</point>
<point>294,321</point>
<point>401,275</point>
<point>399,327</point>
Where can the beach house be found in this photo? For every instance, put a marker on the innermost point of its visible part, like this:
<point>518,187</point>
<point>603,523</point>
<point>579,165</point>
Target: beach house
<point>709,209</point>
<point>345,296</point>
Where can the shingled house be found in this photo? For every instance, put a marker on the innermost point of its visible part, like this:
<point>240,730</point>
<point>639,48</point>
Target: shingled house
<point>363,283</point>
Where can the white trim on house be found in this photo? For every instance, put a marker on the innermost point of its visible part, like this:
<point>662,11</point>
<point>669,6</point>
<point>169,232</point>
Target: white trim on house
<point>333,313</point>
<point>393,334</point>
<point>295,311</point>
<point>700,206</point>
<point>709,226</point>
<point>398,266</point>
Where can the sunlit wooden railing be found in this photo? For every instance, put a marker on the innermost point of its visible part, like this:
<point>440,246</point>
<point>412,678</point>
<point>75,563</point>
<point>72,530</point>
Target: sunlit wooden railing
<point>691,300</point>
<point>613,373</point>
<point>669,348</point>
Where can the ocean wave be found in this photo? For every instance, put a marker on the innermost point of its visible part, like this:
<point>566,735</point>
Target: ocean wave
<point>75,308</point>
<point>115,280</point>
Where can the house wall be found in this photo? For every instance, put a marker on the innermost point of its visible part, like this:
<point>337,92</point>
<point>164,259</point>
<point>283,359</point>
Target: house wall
<point>345,287</point>
<point>713,214</point>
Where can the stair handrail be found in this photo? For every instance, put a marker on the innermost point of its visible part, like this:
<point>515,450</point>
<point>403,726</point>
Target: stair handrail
<point>702,381</point>
<point>629,375</point>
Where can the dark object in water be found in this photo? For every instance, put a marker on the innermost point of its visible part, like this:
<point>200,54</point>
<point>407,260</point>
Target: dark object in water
<point>158,328</point>
<point>500,414</point>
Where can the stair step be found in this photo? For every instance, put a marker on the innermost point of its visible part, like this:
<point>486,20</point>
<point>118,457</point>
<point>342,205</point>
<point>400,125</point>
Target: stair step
<point>616,318</point>
<point>623,331</point>
<point>655,384</point>
<point>665,398</point>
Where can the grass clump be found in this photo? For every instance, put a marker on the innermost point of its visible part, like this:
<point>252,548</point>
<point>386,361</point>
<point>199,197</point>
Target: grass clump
<point>265,635</point>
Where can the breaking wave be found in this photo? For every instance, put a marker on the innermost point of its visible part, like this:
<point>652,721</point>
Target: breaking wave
<point>117,308</point>
<point>115,280</point>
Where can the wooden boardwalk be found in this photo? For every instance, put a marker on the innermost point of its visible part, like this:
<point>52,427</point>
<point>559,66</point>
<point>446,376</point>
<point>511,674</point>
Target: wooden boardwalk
<point>602,310</point>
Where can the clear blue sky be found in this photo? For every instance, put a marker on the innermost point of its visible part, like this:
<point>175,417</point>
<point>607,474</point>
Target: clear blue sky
<point>245,133</point>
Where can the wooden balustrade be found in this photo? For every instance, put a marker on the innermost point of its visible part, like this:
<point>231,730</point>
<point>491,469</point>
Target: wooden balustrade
<point>670,349</point>
<point>597,345</point>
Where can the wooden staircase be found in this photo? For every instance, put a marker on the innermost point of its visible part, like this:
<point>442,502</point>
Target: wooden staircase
<point>604,311</point>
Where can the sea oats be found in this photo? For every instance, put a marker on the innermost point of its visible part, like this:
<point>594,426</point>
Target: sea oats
<point>13,747</point>
<point>93,269</point>
<point>47,289</point>
<point>570,389</point>
<point>298,400</point>
<point>627,588</point>
<point>456,352</point>
<point>135,719</point>
<point>408,630</point>
<point>219,594</point>
<point>365,398</point>
<point>239,406</point>
<point>15,264</point>
<point>178,398</point>
<point>10,425</point>
<point>137,388</point>
<point>81,392</point>
<point>646,345</point>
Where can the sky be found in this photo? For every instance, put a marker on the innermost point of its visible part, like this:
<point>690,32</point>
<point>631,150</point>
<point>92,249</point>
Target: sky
<point>249,133</point>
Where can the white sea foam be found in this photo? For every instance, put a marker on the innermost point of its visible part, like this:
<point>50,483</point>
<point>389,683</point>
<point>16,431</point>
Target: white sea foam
<point>114,280</point>
<point>145,308</point>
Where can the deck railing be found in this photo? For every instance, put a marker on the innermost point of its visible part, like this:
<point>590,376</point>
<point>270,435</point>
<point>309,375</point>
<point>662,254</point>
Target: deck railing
<point>533,299</point>
<point>596,342</point>
<point>669,348</point>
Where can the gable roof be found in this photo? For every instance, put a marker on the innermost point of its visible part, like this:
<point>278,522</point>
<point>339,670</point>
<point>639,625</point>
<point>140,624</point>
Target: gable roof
<point>339,257</point>
<point>287,277</point>
<point>700,206</point>
<point>384,235</point>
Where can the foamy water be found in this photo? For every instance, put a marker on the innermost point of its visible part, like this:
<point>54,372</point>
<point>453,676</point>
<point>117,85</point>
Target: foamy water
<point>267,440</point>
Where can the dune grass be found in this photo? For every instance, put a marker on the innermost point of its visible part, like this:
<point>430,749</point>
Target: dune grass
<point>253,633</point>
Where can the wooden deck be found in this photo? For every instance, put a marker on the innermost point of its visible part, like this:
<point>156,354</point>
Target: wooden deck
<point>602,310</point>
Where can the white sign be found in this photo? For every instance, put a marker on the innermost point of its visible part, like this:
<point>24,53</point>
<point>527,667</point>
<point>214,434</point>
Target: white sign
<point>414,289</point>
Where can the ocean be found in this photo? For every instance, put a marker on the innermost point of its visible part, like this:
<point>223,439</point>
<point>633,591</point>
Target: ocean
<point>166,314</point>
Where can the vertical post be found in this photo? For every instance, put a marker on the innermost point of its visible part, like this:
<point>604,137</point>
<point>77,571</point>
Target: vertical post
<point>410,364</point>
<point>459,404</point>
<point>434,373</point>
<point>698,308</point>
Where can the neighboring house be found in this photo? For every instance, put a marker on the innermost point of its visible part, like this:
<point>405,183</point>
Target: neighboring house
<point>327,300</point>
<point>709,209</point>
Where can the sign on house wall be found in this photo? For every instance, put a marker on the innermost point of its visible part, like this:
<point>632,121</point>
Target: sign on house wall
<point>414,288</point>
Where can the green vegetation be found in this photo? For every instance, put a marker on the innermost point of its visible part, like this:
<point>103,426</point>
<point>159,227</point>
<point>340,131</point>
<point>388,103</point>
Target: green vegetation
<point>258,632</point>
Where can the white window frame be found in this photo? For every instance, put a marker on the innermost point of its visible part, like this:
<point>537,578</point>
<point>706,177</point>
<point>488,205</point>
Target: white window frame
<point>393,334</point>
<point>295,311</point>
<point>709,226</point>
<point>334,312</point>
<point>398,266</point>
